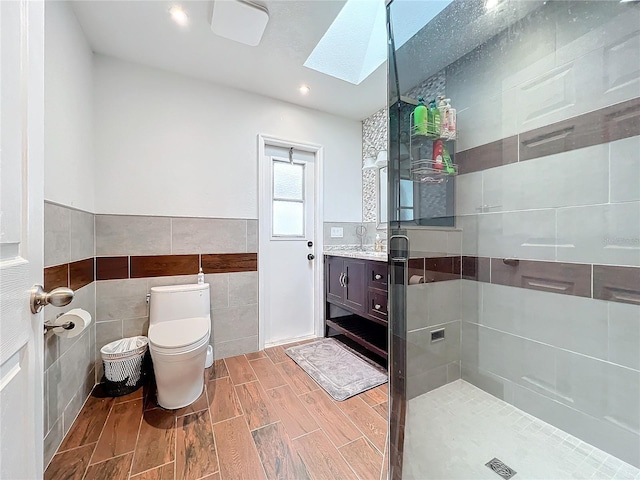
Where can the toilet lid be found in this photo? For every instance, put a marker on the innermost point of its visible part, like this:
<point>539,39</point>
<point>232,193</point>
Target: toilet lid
<point>179,333</point>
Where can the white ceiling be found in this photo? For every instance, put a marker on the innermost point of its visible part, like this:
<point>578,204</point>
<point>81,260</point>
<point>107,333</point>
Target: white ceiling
<point>143,32</point>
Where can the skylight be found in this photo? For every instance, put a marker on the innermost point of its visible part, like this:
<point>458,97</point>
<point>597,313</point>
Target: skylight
<point>355,44</point>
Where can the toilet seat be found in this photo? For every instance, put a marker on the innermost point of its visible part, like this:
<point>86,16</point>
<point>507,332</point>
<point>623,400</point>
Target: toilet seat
<point>179,336</point>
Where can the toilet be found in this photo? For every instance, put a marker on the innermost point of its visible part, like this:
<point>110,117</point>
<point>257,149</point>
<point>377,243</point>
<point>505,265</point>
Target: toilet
<point>179,331</point>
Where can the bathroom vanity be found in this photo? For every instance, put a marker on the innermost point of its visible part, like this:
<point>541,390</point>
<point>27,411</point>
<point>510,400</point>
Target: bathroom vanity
<point>356,298</point>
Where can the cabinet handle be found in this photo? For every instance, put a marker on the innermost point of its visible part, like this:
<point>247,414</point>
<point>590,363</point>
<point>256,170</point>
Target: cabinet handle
<point>341,280</point>
<point>376,306</point>
<point>378,276</point>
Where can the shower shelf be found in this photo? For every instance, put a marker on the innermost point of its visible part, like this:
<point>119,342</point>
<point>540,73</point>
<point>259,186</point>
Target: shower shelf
<point>426,171</point>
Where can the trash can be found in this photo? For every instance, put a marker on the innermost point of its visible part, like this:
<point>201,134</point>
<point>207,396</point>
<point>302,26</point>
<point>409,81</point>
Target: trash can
<point>125,364</point>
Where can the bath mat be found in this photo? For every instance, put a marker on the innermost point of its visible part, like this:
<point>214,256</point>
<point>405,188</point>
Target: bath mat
<point>342,372</point>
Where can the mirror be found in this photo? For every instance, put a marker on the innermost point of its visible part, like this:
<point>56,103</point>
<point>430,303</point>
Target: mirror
<point>381,194</point>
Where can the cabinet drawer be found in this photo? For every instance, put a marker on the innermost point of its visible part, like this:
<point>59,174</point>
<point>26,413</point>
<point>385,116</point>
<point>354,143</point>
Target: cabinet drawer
<point>377,273</point>
<point>378,304</point>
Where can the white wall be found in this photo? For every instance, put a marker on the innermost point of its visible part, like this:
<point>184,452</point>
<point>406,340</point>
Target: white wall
<point>171,145</point>
<point>68,149</point>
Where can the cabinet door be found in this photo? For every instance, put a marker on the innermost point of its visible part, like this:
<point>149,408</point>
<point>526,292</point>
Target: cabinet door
<point>334,267</point>
<point>356,284</point>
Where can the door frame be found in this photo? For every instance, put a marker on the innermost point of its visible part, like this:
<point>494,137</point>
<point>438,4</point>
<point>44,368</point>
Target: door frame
<point>264,232</point>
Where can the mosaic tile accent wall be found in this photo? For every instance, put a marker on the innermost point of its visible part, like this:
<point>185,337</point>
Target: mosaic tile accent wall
<point>374,139</point>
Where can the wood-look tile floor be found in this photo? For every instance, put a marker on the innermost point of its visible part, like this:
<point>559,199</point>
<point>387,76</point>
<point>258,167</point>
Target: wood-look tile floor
<point>260,416</point>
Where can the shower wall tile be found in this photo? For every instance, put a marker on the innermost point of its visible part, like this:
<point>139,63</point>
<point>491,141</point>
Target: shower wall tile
<point>571,323</point>
<point>82,235</point>
<point>577,177</point>
<point>57,227</point>
<point>132,235</point>
<point>606,234</point>
<point>423,355</point>
<point>469,194</point>
<point>427,380</point>
<point>211,235</point>
<point>431,304</point>
<point>624,156</point>
<point>615,400</point>
<point>468,224</point>
<point>624,334</point>
<point>489,155</point>
<point>497,386</point>
<point>523,234</point>
<point>615,440</point>
<point>617,284</point>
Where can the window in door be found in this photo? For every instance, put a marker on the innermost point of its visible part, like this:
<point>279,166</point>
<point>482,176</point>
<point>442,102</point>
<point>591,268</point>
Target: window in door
<point>287,218</point>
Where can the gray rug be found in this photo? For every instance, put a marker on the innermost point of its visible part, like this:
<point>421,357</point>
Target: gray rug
<point>342,372</point>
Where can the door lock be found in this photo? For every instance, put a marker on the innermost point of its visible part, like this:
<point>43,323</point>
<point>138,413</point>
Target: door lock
<point>311,256</point>
<point>309,244</point>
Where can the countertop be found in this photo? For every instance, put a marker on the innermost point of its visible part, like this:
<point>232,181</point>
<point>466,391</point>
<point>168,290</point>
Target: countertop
<point>361,254</point>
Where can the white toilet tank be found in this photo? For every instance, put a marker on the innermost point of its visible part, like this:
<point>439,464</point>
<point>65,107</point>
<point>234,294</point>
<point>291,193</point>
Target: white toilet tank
<point>177,302</point>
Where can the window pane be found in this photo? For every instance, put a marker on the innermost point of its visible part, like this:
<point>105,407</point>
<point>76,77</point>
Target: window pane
<point>288,218</point>
<point>406,193</point>
<point>287,180</point>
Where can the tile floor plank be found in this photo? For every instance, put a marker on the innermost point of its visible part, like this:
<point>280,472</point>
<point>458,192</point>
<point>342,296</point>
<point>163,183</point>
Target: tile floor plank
<point>363,457</point>
<point>218,370</point>
<point>331,419</point>
<point>87,427</point>
<point>236,451</point>
<point>113,469</point>
<point>369,422</point>
<point>223,401</point>
<point>276,354</point>
<point>295,376</point>
<point>239,370</point>
<point>279,458</point>
<point>165,472</point>
<point>195,450</point>
<point>374,396</point>
<point>70,465</point>
<point>295,418</point>
<point>322,459</point>
<point>382,409</point>
<point>131,396</point>
<point>255,355</point>
<point>120,433</point>
<point>258,409</point>
<point>268,375</point>
<point>156,440</point>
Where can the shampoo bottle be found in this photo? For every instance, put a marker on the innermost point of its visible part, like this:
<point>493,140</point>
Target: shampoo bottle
<point>438,152</point>
<point>444,118</point>
<point>420,114</point>
<point>435,118</point>
<point>452,120</point>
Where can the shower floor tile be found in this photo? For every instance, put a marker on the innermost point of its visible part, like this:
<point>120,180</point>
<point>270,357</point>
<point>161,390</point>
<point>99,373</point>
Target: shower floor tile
<point>453,431</point>
<point>252,421</point>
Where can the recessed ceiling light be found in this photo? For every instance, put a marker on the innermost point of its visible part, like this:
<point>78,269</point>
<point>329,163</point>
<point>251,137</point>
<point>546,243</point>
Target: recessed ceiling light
<point>304,89</point>
<point>179,15</point>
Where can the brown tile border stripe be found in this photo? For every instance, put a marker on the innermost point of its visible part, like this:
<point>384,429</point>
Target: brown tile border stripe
<point>607,124</point>
<point>81,273</point>
<point>553,277</point>
<point>603,282</point>
<point>441,269</point>
<point>164,265</point>
<point>229,262</point>
<point>494,154</point>
<point>617,284</point>
<point>56,276</point>
<point>112,268</point>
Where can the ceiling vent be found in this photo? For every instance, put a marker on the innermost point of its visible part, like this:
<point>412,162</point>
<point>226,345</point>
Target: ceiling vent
<point>239,20</point>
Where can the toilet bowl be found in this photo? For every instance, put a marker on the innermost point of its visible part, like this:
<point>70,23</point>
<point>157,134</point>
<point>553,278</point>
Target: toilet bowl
<point>179,331</point>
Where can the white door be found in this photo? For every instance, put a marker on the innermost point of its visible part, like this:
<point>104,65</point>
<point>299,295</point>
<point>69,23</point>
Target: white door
<point>21,236</point>
<point>289,255</point>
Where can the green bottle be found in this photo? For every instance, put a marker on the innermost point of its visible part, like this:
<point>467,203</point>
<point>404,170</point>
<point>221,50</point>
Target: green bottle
<point>434,124</point>
<point>420,114</point>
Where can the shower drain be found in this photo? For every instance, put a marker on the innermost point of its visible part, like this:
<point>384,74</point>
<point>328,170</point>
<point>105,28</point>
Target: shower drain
<point>501,469</point>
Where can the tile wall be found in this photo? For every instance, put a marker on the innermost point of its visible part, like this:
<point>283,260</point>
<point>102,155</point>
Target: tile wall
<point>111,262</point>
<point>69,363</point>
<point>549,148</point>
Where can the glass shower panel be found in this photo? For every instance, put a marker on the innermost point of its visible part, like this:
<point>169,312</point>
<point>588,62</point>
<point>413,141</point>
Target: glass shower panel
<point>514,243</point>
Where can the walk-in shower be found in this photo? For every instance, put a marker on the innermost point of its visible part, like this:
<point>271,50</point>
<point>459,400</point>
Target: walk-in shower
<point>514,234</point>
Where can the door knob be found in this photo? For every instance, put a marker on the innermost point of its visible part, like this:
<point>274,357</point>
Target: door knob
<point>311,256</point>
<point>58,297</point>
